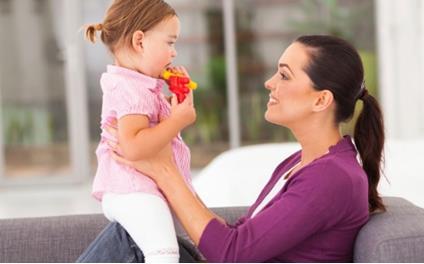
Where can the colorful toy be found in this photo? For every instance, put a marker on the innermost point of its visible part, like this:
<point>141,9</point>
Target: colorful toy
<point>179,84</point>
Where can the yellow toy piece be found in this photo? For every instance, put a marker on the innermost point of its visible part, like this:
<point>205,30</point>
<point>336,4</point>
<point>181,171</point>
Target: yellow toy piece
<point>167,74</point>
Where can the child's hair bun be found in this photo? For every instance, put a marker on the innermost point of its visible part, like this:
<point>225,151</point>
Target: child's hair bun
<point>90,31</point>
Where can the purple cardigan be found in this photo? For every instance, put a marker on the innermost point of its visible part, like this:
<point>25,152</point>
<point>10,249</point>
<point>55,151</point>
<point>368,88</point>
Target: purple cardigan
<point>314,218</point>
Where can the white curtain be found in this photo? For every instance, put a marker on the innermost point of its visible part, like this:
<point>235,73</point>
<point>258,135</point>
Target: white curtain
<point>400,27</point>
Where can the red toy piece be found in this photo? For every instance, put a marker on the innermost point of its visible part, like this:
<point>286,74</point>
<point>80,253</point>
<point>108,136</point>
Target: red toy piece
<point>179,84</point>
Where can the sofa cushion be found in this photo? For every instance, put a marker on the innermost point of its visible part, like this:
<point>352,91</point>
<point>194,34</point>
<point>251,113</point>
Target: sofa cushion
<point>394,236</point>
<point>64,238</point>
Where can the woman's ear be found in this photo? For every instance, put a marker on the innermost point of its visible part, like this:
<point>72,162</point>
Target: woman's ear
<point>323,100</point>
<point>137,41</point>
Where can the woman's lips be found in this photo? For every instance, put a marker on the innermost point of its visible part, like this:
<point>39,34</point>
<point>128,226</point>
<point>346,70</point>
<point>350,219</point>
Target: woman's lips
<point>272,100</point>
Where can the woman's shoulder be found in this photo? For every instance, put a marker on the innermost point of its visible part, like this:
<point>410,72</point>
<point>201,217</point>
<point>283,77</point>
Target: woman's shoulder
<point>338,171</point>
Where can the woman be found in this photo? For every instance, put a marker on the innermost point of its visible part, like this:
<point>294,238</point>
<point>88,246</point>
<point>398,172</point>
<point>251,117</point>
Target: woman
<point>317,199</point>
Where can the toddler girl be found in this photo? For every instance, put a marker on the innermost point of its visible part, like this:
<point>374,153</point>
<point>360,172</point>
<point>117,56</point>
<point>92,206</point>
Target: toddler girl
<point>141,35</point>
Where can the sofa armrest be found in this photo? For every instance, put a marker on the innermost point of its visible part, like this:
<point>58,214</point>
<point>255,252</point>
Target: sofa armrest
<point>396,235</point>
<point>230,214</point>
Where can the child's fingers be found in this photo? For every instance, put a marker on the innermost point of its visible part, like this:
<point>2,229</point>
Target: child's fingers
<point>173,69</point>
<point>183,70</point>
<point>189,98</point>
<point>179,70</point>
<point>174,100</point>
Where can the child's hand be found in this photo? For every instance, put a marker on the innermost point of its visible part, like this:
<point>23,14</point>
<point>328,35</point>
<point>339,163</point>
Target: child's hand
<point>183,113</point>
<point>179,70</point>
<point>179,81</point>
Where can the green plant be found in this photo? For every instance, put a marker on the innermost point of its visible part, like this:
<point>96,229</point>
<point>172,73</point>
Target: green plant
<point>330,17</point>
<point>27,126</point>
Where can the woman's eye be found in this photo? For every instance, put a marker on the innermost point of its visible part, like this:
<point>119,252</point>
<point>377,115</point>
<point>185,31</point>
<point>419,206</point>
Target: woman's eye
<point>171,43</point>
<point>283,76</point>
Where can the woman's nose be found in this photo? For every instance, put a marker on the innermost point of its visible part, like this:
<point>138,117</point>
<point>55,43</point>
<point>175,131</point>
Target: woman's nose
<point>268,84</point>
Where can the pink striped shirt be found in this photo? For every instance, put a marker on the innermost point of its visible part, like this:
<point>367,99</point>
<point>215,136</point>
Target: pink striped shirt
<point>128,92</point>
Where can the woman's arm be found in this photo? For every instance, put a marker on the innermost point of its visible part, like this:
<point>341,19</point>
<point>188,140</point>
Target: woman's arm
<point>192,213</point>
<point>220,219</point>
<point>314,202</point>
<point>190,210</point>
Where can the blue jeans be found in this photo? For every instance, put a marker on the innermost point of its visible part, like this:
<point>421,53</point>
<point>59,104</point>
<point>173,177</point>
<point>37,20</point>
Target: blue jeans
<point>114,244</point>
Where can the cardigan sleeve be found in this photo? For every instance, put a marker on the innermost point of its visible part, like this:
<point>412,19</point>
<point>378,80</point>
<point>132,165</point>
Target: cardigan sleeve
<point>314,200</point>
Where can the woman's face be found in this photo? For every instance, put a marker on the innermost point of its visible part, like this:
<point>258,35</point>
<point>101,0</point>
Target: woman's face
<point>291,96</point>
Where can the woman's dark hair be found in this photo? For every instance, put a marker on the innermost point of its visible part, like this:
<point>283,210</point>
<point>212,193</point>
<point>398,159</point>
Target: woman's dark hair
<point>335,65</point>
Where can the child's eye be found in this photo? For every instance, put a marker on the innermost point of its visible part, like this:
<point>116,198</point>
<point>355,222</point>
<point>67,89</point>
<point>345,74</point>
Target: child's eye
<point>284,76</point>
<point>171,43</point>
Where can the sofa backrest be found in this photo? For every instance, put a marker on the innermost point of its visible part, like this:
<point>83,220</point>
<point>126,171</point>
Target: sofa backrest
<point>394,236</point>
<point>48,239</point>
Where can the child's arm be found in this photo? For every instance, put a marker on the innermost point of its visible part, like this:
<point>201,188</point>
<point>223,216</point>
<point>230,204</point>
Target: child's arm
<point>139,141</point>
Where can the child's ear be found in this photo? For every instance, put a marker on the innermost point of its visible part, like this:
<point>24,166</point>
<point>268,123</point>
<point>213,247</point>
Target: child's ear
<point>323,100</point>
<point>137,41</point>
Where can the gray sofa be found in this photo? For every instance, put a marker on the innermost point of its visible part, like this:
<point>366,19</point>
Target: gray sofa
<point>394,236</point>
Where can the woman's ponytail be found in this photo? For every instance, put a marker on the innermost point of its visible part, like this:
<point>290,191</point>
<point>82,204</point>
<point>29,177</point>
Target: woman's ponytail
<point>335,65</point>
<point>369,140</point>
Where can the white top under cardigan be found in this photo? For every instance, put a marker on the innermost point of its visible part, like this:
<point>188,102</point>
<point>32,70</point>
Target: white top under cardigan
<point>277,187</point>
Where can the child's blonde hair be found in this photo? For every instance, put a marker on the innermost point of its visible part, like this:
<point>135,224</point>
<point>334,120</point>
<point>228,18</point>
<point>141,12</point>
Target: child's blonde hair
<point>124,17</point>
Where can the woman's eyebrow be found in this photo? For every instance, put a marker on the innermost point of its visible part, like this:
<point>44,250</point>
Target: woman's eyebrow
<point>281,65</point>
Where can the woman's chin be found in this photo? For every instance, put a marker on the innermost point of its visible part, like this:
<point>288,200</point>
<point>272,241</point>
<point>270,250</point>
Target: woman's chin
<point>276,120</point>
<point>268,117</point>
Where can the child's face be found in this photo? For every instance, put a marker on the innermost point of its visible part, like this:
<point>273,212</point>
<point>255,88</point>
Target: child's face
<point>158,47</point>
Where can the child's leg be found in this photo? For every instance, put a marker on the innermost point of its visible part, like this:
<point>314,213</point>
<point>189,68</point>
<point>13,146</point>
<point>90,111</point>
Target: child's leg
<point>148,220</point>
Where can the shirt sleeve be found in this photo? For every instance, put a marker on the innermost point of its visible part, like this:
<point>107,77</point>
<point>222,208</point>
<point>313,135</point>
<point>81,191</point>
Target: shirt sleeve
<point>130,100</point>
<point>313,201</point>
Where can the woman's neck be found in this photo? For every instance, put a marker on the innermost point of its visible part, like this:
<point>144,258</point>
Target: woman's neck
<point>316,142</point>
